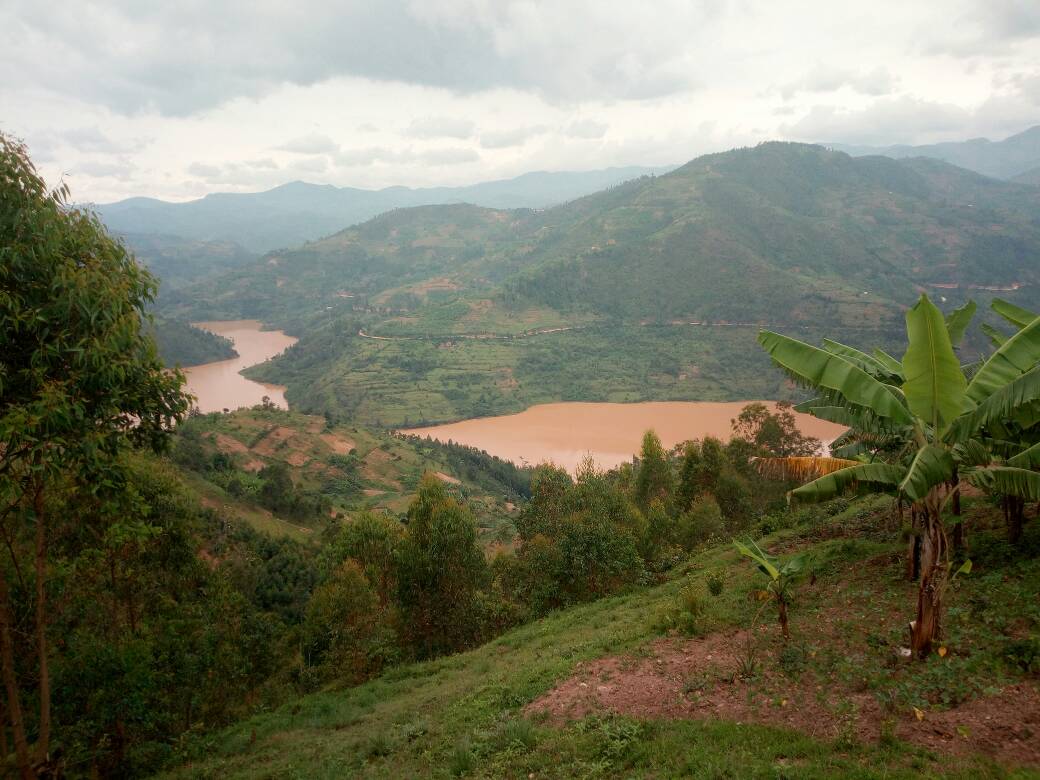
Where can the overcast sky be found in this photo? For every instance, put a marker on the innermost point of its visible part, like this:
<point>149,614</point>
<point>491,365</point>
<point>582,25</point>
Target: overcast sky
<point>177,99</point>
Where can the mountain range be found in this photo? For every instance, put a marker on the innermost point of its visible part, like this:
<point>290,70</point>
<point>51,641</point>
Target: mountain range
<point>1016,157</point>
<point>786,236</point>
<point>296,212</point>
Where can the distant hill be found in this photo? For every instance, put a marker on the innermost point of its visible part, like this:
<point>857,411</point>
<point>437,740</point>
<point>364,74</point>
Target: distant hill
<point>651,289</point>
<point>1031,177</point>
<point>297,212</point>
<point>779,231</point>
<point>1005,159</point>
<point>179,261</point>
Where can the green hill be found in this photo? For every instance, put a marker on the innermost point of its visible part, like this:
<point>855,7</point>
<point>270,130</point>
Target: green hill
<point>780,235</point>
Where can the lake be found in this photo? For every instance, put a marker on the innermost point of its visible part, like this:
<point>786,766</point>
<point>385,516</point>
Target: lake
<point>564,433</point>
<point>219,386</point>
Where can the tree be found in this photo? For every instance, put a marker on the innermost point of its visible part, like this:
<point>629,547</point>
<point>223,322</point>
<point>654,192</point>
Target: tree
<point>440,568</point>
<point>773,434</point>
<point>80,382</point>
<point>940,418</point>
<point>654,479</point>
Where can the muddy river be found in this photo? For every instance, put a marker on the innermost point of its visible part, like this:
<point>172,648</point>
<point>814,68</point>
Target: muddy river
<point>564,433</point>
<point>219,386</point>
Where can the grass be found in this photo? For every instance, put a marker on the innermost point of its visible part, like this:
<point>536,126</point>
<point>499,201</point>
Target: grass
<point>464,715</point>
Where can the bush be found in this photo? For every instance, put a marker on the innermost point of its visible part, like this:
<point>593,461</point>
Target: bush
<point>700,524</point>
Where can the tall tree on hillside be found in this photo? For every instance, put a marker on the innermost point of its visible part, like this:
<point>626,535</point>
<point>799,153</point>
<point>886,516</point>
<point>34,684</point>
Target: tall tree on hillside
<point>942,418</point>
<point>80,381</point>
<point>440,568</point>
<point>654,479</point>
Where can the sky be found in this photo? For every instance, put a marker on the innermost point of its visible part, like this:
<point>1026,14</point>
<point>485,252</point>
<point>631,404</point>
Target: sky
<point>178,99</point>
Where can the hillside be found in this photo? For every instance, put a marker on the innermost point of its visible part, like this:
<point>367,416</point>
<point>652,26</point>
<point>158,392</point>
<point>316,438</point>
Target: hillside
<point>633,293</point>
<point>297,212</point>
<point>614,688</point>
<point>1004,159</point>
<point>179,261</point>
<point>335,470</point>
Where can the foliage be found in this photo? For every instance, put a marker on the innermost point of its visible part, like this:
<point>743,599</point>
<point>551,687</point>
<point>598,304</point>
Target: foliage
<point>440,568</point>
<point>80,383</point>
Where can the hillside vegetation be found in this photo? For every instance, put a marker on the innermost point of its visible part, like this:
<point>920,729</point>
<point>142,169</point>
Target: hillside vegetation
<point>693,698</point>
<point>649,290</point>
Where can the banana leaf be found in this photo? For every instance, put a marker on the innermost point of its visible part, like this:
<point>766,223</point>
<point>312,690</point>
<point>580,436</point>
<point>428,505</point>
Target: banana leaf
<point>1008,481</point>
<point>1016,356</point>
<point>1016,315</point>
<point>1002,406</point>
<point>931,466</point>
<point>934,383</point>
<point>957,322</point>
<point>819,368</point>
<point>882,476</point>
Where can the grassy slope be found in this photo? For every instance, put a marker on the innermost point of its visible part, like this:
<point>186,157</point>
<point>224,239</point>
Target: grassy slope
<point>389,468</point>
<point>464,714</point>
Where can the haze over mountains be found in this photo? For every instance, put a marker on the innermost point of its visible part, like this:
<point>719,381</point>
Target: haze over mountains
<point>1016,157</point>
<point>298,211</point>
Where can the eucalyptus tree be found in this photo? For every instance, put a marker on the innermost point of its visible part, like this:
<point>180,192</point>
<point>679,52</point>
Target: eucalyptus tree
<point>80,381</point>
<point>925,420</point>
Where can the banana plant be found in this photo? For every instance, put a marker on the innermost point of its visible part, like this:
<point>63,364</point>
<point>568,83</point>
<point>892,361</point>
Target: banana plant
<point>782,576</point>
<point>925,408</point>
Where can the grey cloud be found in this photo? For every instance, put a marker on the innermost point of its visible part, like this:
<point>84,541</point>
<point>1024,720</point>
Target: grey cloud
<point>910,118</point>
<point>988,27</point>
<point>586,128</point>
<point>513,136</point>
<point>91,139</point>
<point>829,79</point>
<point>204,170</point>
<point>454,156</point>
<point>121,170</point>
<point>440,127</point>
<point>314,143</point>
<point>185,58</point>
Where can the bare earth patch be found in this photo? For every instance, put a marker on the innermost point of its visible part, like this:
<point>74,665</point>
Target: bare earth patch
<point>698,679</point>
<point>273,441</point>
<point>341,445</point>
<point>228,444</point>
<point>446,478</point>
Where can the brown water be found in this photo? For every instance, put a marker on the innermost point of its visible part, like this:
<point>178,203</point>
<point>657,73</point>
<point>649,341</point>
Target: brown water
<point>219,386</point>
<point>565,433</point>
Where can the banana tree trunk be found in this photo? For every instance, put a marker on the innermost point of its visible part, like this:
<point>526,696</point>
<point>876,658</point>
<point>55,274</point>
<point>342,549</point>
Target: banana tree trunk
<point>913,554</point>
<point>925,630</point>
<point>1015,513</point>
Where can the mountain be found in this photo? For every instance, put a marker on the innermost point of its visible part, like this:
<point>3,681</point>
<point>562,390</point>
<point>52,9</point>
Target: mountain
<point>297,212</point>
<point>1000,159</point>
<point>652,289</point>
<point>179,261</point>
<point>1031,177</point>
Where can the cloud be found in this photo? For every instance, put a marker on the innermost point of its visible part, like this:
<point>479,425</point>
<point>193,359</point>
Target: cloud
<point>452,156</point>
<point>912,118</point>
<point>120,170</point>
<point>204,170</point>
<point>314,143</point>
<point>182,59</point>
<point>91,139</point>
<point>989,27</point>
<point>513,136</point>
<point>822,78</point>
<point>585,128</point>
<point>440,127</point>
